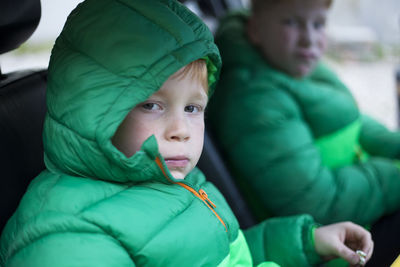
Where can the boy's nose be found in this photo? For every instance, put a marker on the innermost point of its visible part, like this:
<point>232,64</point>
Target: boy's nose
<point>178,130</point>
<point>307,36</point>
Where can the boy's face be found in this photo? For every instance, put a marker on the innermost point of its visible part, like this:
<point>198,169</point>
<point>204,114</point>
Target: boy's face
<point>175,115</point>
<point>291,34</point>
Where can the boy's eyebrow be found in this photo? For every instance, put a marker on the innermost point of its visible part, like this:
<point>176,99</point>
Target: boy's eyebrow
<point>201,95</point>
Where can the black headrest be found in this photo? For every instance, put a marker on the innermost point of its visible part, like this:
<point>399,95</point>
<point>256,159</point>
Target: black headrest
<point>18,20</point>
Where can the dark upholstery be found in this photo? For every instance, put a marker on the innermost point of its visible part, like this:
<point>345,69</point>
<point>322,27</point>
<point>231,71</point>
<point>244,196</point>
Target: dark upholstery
<point>213,166</point>
<point>22,110</point>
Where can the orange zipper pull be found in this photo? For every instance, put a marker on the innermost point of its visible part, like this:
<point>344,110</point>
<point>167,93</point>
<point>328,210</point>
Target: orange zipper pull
<point>201,194</point>
<point>204,196</point>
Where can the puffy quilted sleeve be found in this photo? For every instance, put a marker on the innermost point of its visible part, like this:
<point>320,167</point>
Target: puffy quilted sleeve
<point>286,241</point>
<point>72,249</point>
<point>377,140</point>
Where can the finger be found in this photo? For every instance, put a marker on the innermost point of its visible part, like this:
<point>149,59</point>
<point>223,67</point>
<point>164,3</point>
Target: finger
<point>367,245</point>
<point>349,255</point>
<point>356,232</point>
<point>359,238</point>
<point>369,252</point>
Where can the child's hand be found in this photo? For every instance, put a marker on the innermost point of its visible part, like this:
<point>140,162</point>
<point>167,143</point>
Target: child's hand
<point>342,240</point>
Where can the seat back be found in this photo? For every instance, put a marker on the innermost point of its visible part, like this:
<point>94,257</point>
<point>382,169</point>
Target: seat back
<point>22,108</point>
<point>212,164</point>
<point>22,111</point>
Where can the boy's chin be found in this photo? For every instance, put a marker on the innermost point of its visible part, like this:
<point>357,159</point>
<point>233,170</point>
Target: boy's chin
<point>179,175</point>
<point>303,71</point>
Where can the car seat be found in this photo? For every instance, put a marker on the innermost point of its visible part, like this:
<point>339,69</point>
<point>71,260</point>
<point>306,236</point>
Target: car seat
<point>22,108</point>
<point>213,166</point>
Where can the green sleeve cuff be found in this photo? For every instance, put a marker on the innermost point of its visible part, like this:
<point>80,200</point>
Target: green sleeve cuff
<point>309,245</point>
<point>312,232</point>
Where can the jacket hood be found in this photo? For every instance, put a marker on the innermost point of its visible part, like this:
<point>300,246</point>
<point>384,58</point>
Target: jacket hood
<point>110,56</point>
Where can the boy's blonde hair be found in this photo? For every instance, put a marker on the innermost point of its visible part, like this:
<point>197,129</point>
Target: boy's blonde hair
<point>197,71</point>
<point>259,5</point>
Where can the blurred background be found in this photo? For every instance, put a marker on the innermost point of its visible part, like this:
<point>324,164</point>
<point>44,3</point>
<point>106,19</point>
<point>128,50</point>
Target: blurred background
<point>364,46</point>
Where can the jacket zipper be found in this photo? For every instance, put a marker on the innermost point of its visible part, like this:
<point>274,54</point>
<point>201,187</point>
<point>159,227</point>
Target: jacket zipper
<point>201,194</point>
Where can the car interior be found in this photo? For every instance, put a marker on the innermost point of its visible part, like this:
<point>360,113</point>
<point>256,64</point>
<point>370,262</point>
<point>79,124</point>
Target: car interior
<point>23,108</point>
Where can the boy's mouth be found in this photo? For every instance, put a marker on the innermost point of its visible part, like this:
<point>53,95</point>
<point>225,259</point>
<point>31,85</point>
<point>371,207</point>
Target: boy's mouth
<point>177,162</point>
<point>306,55</point>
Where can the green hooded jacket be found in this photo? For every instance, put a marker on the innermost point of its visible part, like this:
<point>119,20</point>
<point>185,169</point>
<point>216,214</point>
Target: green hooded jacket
<point>93,206</point>
<point>300,145</point>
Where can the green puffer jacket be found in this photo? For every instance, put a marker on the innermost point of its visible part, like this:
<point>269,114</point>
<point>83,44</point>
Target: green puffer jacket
<point>300,145</point>
<point>92,206</point>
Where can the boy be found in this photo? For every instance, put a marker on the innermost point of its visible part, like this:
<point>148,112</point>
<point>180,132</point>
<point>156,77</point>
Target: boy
<point>292,132</point>
<point>123,133</point>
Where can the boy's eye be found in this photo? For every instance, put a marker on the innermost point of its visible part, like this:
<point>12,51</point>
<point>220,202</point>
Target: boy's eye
<point>151,106</point>
<point>319,24</point>
<point>192,109</point>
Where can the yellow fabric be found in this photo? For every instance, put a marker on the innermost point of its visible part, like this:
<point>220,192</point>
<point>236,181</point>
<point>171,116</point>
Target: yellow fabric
<point>396,263</point>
